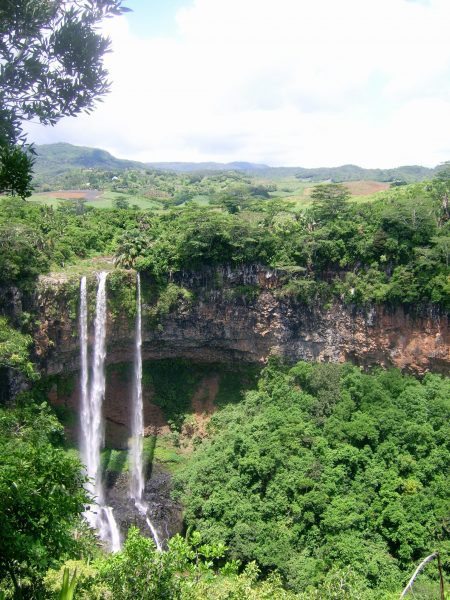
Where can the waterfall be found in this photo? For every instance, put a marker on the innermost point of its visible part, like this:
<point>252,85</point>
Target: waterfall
<point>99,515</point>
<point>84,400</point>
<point>137,424</point>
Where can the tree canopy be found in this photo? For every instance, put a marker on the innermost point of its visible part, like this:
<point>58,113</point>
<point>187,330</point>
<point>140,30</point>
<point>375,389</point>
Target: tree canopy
<point>41,494</point>
<point>51,57</point>
<point>325,467</point>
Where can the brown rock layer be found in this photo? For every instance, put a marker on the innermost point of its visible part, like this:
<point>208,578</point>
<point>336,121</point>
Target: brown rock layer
<point>224,323</point>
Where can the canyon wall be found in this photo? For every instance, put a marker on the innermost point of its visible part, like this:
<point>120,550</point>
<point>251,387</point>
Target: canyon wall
<point>240,315</point>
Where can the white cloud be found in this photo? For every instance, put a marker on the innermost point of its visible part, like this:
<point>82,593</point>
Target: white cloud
<point>290,82</point>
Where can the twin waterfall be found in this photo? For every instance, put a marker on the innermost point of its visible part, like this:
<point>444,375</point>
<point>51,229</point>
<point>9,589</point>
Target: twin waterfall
<point>99,515</point>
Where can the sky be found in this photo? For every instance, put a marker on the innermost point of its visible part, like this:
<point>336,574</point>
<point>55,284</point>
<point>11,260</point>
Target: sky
<point>282,82</point>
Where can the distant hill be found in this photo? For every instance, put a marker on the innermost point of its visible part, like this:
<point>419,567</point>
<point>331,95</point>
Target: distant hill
<point>188,167</point>
<point>355,173</point>
<point>55,159</point>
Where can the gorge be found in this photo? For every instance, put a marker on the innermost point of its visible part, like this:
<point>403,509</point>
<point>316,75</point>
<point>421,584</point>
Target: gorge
<point>223,316</point>
<point>224,380</point>
<point>167,355</point>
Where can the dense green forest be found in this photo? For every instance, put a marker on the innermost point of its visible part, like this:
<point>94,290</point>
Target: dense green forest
<point>394,247</point>
<point>310,481</point>
<point>324,482</point>
<point>324,468</point>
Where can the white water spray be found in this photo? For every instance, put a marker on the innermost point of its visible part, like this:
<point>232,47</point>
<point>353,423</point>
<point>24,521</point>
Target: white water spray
<point>108,529</point>
<point>137,424</point>
<point>98,516</point>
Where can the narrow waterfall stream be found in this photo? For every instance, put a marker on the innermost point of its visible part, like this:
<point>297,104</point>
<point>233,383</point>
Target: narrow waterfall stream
<point>137,480</point>
<point>98,515</point>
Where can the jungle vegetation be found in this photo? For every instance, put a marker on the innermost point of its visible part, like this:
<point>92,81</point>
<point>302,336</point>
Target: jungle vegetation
<point>333,484</point>
<point>324,468</point>
<point>323,482</point>
<point>394,247</point>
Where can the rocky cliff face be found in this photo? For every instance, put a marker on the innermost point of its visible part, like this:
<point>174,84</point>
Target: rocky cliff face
<point>240,316</point>
<point>216,316</point>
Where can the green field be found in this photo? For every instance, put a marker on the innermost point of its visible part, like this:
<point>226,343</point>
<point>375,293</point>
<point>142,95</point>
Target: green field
<point>105,200</point>
<point>287,188</point>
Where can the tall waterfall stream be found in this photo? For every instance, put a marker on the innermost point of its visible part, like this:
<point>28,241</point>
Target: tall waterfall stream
<point>137,482</point>
<point>99,515</point>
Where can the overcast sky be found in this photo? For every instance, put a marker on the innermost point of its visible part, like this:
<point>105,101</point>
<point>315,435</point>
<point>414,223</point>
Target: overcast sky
<point>283,82</point>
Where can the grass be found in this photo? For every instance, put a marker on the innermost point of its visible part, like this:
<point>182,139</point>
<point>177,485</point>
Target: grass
<point>46,200</point>
<point>158,449</point>
<point>201,200</point>
<point>105,200</point>
<point>114,461</point>
<point>298,192</point>
<point>289,188</point>
<point>168,455</point>
<point>83,266</point>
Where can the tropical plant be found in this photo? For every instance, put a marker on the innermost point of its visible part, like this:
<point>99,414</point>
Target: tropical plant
<point>325,467</point>
<point>41,496</point>
<point>68,585</point>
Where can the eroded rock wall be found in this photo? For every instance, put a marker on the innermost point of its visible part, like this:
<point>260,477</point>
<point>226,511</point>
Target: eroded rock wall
<point>239,316</point>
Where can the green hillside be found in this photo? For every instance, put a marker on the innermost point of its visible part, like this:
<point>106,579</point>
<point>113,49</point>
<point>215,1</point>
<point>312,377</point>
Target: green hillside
<point>55,159</point>
<point>409,174</point>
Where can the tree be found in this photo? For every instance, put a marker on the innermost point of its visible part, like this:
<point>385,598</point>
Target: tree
<point>440,189</point>
<point>21,254</point>
<point>326,469</point>
<point>330,199</point>
<point>51,57</point>
<point>41,495</point>
<point>14,349</point>
<point>15,171</point>
<point>121,203</point>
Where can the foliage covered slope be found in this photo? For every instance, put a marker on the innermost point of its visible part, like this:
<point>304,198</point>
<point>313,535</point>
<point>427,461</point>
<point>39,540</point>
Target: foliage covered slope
<point>54,159</point>
<point>327,467</point>
<point>395,249</point>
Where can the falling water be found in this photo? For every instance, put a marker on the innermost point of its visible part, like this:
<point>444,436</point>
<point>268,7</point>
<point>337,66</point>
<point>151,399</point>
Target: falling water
<point>98,516</point>
<point>97,391</point>
<point>108,529</point>
<point>84,412</point>
<point>137,424</point>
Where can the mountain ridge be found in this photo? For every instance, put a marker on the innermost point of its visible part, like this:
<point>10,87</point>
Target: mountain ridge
<point>60,157</point>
